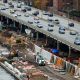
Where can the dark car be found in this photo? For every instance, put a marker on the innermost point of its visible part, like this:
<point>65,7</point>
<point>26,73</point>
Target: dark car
<point>12,6</point>
<point>35,14</point>
<point>28,8</point>
<point>26,15</point>
<point>50,14</point>
<point>3,8</point>
<point>24,10</point>
<point>50,20</point>
<point>50,25</point>
<point>56,21</point>
<point>10,3</point>
<point>71,24</point>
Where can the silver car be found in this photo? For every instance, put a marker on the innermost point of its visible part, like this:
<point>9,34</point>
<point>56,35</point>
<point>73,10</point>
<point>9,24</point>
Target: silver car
<point>77,40</point>
<point>50,29</point>
<point>62,30</point>
<point>40,26</point>
<point>73,32</point>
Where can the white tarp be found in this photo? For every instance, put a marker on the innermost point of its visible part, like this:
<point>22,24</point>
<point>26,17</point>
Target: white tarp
<point>28,31</point>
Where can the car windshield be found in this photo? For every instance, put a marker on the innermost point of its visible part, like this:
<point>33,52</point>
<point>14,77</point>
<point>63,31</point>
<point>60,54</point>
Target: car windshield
<point>40,57</point>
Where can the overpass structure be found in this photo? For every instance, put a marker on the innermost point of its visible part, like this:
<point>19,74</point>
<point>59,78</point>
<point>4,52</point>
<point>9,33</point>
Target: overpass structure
<point>43,20</point>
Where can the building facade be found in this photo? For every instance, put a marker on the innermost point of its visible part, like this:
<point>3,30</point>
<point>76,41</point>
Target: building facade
<point>76,4</point>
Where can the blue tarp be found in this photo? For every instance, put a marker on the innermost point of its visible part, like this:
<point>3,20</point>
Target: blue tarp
<point>55,51</point>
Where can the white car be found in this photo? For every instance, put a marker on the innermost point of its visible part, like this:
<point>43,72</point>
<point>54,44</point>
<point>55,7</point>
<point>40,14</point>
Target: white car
<point>12,11</point>
<point>77,40</point>
<point>62,30</point>
<point>50,19</point>
<point>50,25</point>
<point>31,22</point>
<point>36,18</point>
<point>36,21</point>
<point>40,26</point>
<point>56,21</point>
<point>18,14</point>
<point>15,15</point>
<point>50,29</point>
<point>18,5</point>
<point>26,15</point>
<point>3,8</point>
<point>73,32</point>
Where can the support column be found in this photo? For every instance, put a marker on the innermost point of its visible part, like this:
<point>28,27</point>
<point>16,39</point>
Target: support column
<point>57,44</point>
<point>1,19</point>
<point>20,28</point>
<point>14,24</point>
<point>69,51</point>
<point>37,36</point>
<point>7,21</point>
<point>46,41</point>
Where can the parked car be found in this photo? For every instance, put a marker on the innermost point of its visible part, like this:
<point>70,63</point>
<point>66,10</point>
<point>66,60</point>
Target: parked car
<point>24,10</point>
<point>62,30</point>
<point>3,8</point>
<point>71,24</point>
<point>50,25</point>
<point>12,6</point>
<point>77,40</point>
<point>37,21</point>
<point>35,14</point>
<point>29,8</point>
<point>36,18</point>
<point>45,13</point>
<point>40,26</point>
<point>26,15</point>
<point>15,15</point>
<point>10,3</point>
<point>50,29</point>
<point>18,14</point>
<point>73,32</point>
<point>56,21</point>
<point>49,19</point>
<point>12,11</point>
<point>30,22</point>
<point>50,14</point>
<point>18,5</point>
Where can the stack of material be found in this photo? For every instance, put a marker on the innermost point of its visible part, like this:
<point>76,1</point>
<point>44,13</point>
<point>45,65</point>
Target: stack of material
<point>39,76</point>
<point>30,70</point>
